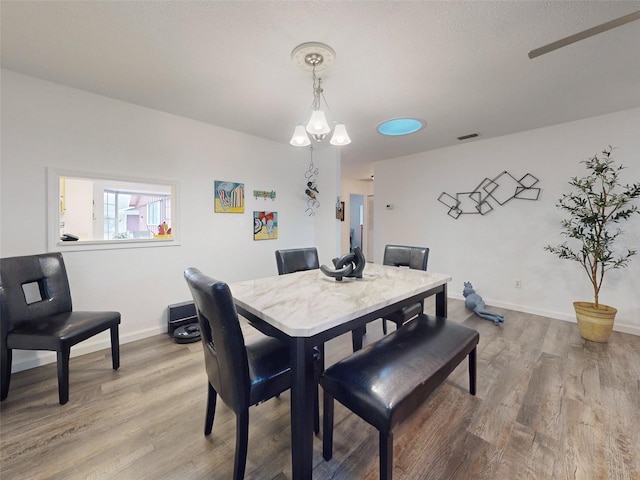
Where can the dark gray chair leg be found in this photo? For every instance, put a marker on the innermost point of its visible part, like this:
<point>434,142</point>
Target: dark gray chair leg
<point>327,427</point>
<point>472,372</point>
<point>211,409</point>
<point>242,441</point>
<point>384,326</point>
<point>386,455</point>
<point>63,375</point>
<point>115,348</point>
<point>357,335</point>
<point>5,371</point>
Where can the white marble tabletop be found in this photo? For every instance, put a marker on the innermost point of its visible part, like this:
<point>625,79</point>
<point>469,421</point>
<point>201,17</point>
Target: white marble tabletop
<point>305,303</point>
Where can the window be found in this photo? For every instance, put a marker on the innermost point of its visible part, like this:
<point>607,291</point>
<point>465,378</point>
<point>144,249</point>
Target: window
<point>91,211</point>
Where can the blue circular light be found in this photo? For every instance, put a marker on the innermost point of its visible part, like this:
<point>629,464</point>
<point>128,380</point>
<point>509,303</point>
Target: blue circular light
<point>400,126</point>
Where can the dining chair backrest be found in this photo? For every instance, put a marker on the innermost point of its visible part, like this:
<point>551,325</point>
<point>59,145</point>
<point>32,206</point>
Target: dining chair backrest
<point>33,287</point>
<point>297,259</point>
<point>406,256</point>
<point>223,342</point>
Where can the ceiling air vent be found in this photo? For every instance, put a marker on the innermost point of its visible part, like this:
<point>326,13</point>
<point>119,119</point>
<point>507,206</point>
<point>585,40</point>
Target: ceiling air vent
<point>467,137</point>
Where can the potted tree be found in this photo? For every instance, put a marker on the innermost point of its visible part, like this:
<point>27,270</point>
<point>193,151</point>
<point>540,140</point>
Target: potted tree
<point>595,207</point>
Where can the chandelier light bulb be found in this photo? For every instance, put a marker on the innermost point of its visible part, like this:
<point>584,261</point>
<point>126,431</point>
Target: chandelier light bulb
<point>318,124</point>
<point>300,138</point>
<point>340,135</point>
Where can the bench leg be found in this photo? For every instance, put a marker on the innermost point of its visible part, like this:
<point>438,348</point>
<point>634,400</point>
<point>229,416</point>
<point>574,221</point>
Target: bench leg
<point>472,372</point>
<point>63,375</point>
<point>327,427</point>
<point>386,455</point>
<point>115,348</point>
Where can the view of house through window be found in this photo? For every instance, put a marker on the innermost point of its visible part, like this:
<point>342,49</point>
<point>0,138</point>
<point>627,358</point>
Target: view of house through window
<point>93,209</point>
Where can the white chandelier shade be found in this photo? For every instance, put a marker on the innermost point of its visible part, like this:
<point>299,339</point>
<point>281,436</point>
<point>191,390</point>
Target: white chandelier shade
<point>340,135</point>
<point>317,124</point>
<point>300,137</point>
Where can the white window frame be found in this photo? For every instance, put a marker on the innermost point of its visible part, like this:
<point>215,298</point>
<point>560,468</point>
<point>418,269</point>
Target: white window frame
<point>54,196</point>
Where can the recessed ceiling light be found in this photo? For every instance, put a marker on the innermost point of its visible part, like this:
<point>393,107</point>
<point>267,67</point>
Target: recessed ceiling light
<point>400,126</point>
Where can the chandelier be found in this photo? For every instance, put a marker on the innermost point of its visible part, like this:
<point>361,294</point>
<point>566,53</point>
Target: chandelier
<point>316,57</point>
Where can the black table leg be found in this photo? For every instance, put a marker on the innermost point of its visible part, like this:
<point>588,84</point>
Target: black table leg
<point>441,302</point>
<point>302,401</point>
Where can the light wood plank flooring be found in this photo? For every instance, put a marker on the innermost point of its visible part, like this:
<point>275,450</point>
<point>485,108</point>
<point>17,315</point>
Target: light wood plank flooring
<point>549,406</point>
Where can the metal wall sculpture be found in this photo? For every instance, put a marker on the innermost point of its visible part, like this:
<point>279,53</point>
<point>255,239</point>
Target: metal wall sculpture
<point>311,191</point>
<point>499,190</point>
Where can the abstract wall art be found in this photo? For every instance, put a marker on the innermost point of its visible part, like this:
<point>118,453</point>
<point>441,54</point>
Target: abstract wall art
<point>265,225</point>
<point>229,197</point>
<point>264,194</point>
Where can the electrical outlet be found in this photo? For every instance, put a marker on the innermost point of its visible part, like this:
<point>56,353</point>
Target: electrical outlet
<point>517,284</point>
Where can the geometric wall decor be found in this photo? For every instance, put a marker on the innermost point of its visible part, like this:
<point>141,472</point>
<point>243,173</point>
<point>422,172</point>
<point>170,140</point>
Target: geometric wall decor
<point>498,190</point>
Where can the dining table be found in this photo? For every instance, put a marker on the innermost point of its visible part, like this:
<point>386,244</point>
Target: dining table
<point>306,309</point>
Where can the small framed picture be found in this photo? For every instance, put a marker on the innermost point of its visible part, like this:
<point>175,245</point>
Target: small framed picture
<point>228,197</point>
<point>340,212</point>
<point>265,225</point>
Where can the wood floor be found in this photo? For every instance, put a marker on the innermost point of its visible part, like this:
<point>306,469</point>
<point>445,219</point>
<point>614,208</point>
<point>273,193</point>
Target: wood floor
<point>549,406</point>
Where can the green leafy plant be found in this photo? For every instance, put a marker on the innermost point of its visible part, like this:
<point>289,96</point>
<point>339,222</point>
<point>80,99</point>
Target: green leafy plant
<point>596,205</point>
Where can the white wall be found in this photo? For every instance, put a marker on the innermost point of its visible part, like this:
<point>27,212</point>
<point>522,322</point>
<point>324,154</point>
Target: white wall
<point>48,125</point>
<point>495,250</point>
<point>327,227</point>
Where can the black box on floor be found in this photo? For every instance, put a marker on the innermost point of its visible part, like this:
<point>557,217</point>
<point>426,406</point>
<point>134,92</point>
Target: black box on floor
<point>181,314</point>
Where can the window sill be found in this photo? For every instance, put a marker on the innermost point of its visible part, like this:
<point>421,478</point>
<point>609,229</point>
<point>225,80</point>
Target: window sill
<point>85,245</point>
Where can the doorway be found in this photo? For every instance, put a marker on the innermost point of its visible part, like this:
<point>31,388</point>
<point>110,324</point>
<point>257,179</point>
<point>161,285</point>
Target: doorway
<point>369,225</point>
<point>356,221</point>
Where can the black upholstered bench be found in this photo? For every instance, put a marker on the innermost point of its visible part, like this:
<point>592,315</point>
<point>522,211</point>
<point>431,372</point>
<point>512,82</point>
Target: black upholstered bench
<point>385,382</point>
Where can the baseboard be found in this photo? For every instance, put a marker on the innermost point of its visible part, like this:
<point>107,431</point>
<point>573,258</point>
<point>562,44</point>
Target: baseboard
<point>98,343</point>
<point>617,326</point>
<point>94,344</point>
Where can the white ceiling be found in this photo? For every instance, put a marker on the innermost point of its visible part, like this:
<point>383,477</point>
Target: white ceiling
<point>460,65</point>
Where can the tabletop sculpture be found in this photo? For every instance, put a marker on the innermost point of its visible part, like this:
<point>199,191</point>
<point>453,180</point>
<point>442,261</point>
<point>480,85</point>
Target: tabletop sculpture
<point>474,302</point>
<point>349,265</point>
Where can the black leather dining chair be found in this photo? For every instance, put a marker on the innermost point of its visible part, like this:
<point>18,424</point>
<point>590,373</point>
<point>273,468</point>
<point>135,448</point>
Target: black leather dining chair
<point>36,314</point>
<point>297,260</point>
<point>405,256</point>
<point>241,373</point>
